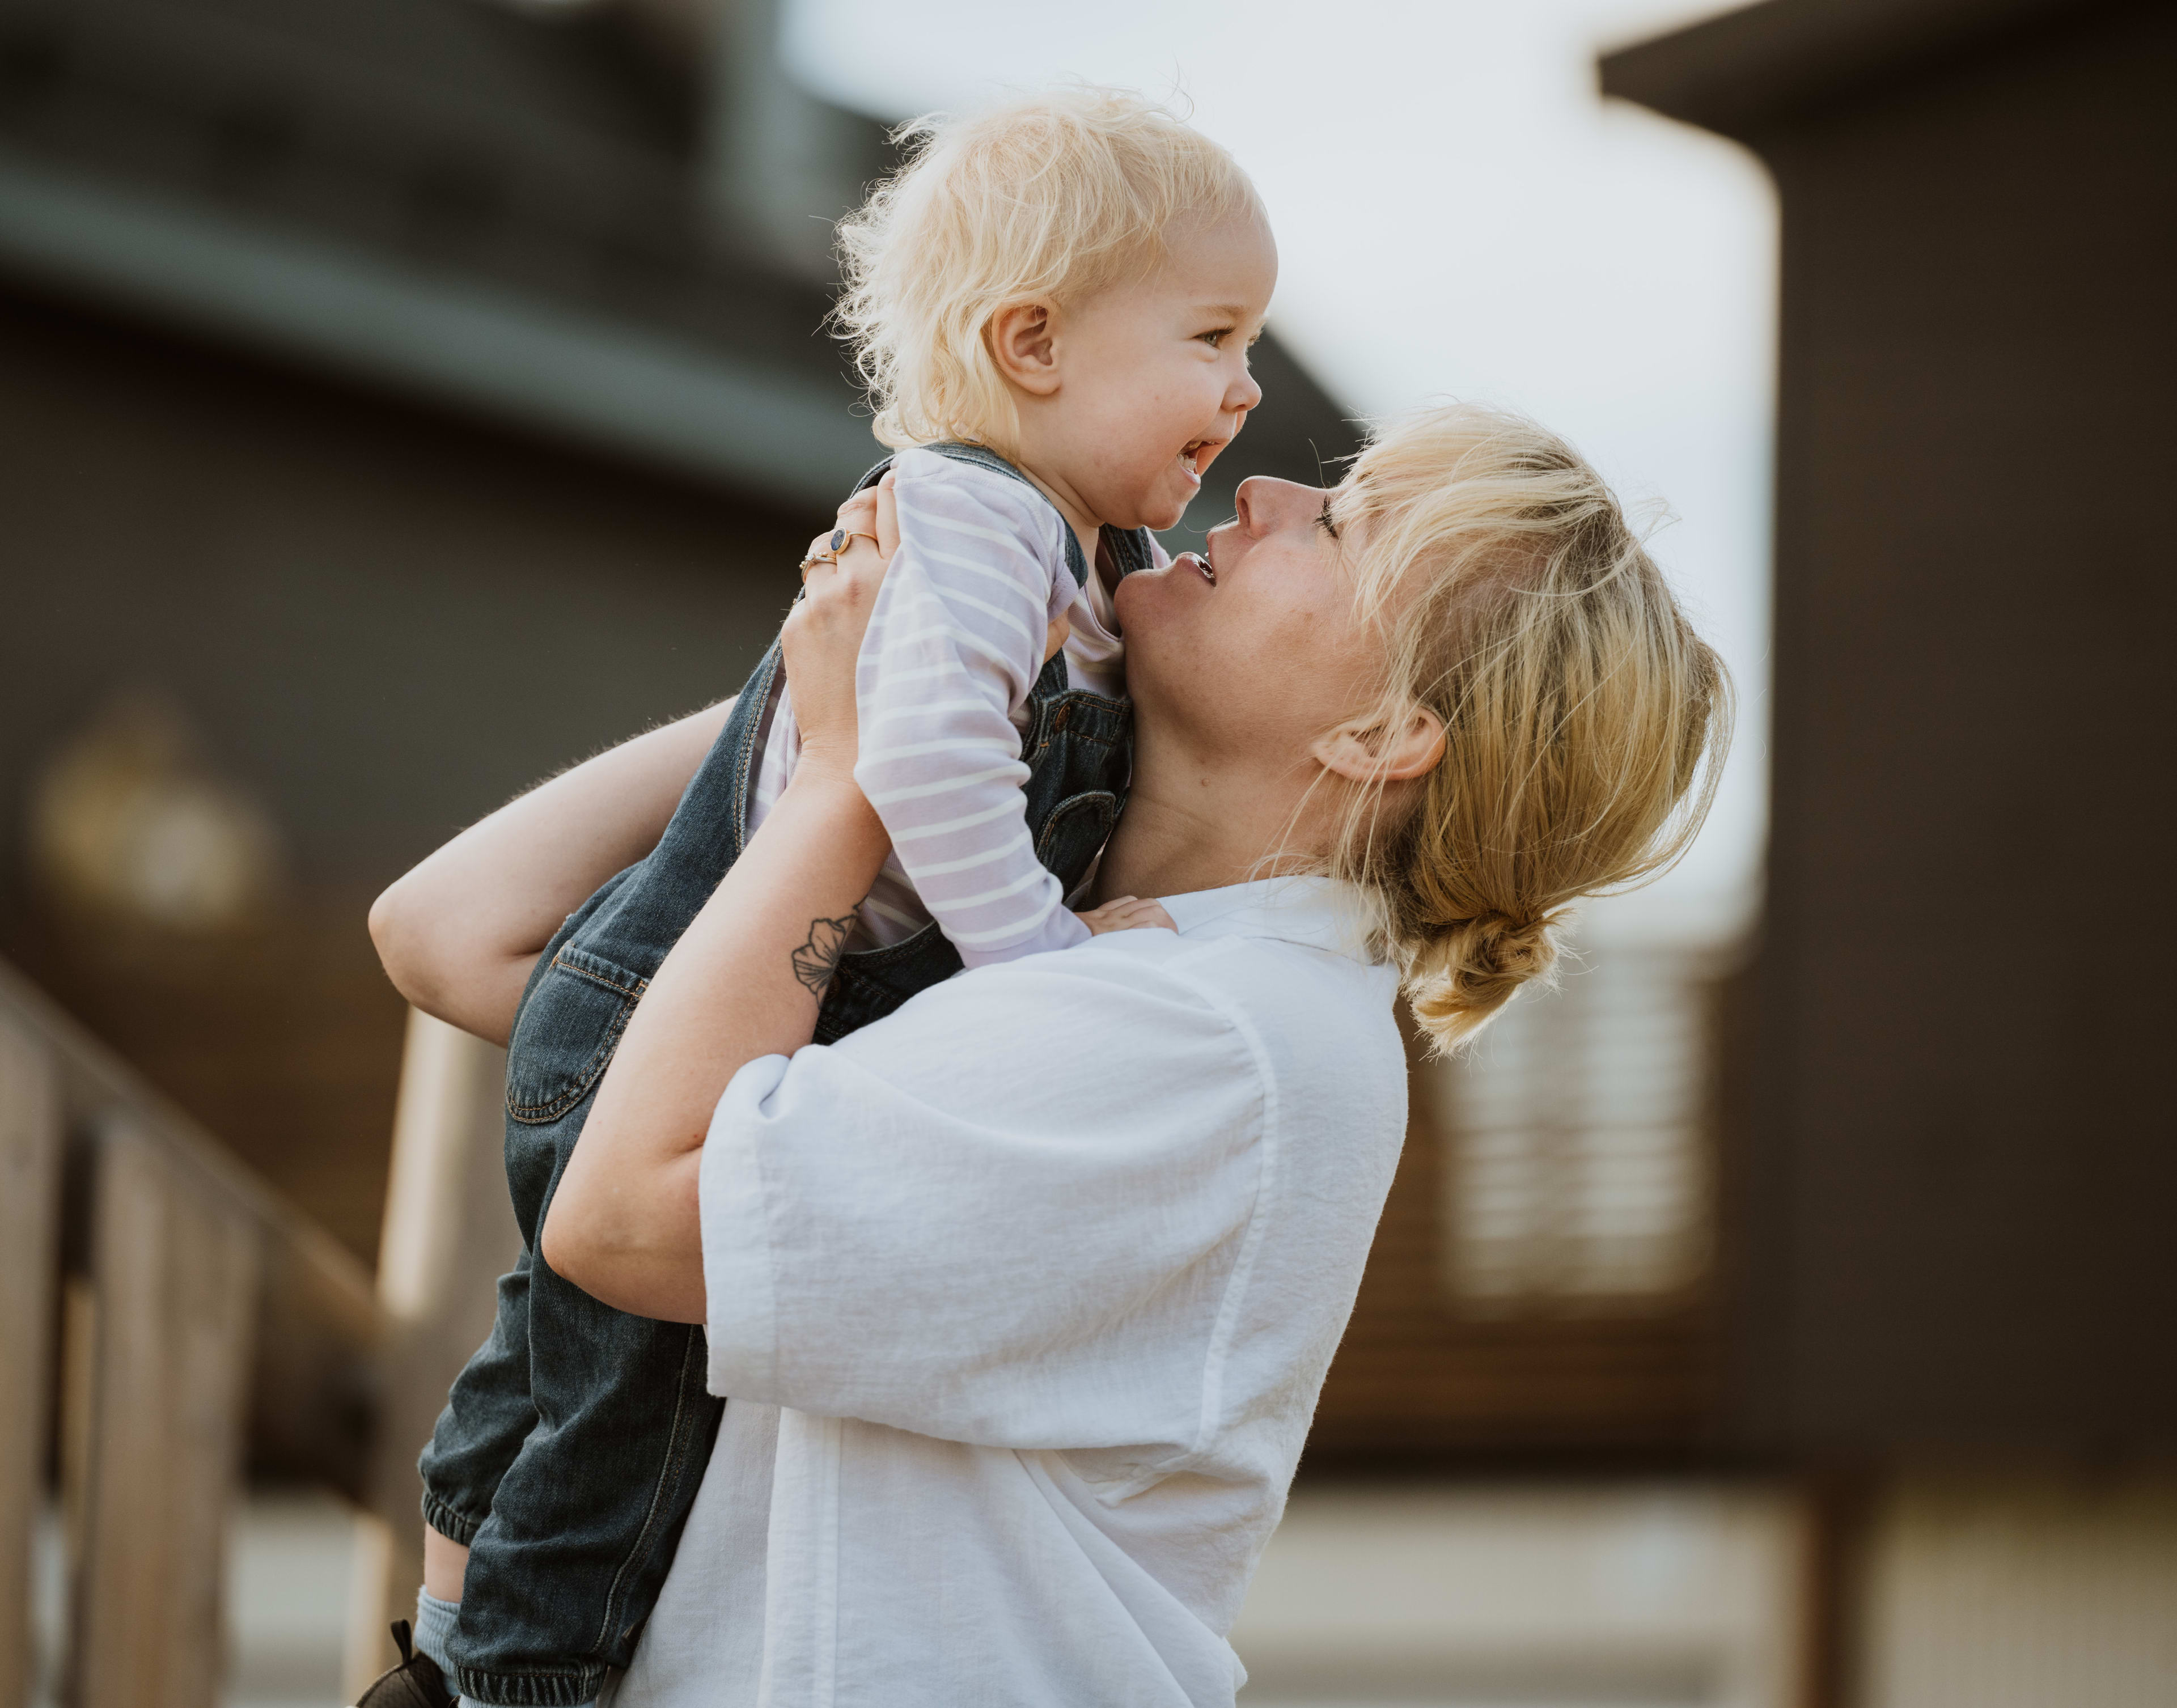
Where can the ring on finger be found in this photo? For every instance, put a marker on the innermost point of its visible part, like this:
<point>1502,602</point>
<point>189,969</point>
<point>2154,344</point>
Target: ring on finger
<point>841,538</point>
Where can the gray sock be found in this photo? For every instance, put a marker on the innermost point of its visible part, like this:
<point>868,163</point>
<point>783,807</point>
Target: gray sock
<point>434,1625</point>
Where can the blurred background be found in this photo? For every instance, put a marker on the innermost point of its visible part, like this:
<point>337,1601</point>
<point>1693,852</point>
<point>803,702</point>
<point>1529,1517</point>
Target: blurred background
<point>400,399</point>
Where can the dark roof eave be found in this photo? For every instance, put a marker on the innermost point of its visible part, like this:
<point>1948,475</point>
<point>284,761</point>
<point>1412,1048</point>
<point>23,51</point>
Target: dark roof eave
<point>1751,70</point>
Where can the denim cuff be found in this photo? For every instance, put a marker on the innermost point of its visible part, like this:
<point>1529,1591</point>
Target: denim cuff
<point>448,1523</point>
<point>578,1688</point>
<point>464,1702</point>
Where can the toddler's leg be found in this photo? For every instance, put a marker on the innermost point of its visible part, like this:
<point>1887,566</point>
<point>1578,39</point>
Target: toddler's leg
<point>444,1562</point>
<point>489,1415</point>
<point>562,1575</point>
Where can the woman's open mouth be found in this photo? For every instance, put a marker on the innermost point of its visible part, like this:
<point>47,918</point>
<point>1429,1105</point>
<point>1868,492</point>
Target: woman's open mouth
<point>1206,569</point>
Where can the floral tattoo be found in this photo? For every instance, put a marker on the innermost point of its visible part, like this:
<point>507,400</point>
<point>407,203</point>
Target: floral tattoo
<point>814,960</point>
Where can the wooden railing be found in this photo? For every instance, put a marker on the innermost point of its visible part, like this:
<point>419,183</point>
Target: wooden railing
<point>161,1309</point>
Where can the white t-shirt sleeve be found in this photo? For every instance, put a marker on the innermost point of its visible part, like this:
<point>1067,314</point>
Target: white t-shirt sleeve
<point>954,647</point>
<point>945,1225</point>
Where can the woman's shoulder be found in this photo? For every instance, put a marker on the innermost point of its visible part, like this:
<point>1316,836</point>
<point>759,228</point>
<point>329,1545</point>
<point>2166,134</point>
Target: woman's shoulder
<point>1237,1017</point>
<point>1318,1021</point>
<point>1139,993</point>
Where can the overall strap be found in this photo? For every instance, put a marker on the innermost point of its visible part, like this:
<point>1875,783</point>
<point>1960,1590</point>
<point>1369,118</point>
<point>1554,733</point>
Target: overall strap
<point>1130,548</point>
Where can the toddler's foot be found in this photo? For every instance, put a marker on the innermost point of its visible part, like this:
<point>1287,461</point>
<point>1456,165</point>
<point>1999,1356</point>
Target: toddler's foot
<point>1127,913</point>
<point>415,1682</point>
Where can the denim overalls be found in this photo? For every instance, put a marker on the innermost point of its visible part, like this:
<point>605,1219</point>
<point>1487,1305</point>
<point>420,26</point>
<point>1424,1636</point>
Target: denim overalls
<point>572,1445</point>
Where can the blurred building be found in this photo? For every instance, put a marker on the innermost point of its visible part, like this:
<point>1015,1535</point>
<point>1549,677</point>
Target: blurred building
<point>1951,1300</point>
<point>399,399</point>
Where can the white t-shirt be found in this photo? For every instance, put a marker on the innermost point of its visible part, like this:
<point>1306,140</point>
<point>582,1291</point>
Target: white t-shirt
<point>1023,1343</point>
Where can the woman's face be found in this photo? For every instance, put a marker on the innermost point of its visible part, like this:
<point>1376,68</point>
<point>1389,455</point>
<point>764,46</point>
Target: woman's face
<point>1252,654</point>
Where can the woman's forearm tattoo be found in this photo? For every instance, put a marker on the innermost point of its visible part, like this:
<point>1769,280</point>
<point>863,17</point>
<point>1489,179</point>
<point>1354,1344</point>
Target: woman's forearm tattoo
<point>816,960</point>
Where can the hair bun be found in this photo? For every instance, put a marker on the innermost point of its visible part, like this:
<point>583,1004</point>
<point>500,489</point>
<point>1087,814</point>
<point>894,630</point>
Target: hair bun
<point>1500,946</point>
<point>1468,972</point>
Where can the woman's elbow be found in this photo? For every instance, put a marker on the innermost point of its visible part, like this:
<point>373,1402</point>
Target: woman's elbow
<point>612,1271</point>
<point>618,1255</point>
<point>401,944</point>
<point>443,971</point>
<point>567,1251</point>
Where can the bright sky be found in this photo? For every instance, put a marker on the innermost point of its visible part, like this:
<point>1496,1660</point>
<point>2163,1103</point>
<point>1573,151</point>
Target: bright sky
<point>1458,215</point>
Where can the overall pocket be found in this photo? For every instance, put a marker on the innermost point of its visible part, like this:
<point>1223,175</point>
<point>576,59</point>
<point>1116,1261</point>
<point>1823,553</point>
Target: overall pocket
<point>1077,828</point>
<point>566,1034</point>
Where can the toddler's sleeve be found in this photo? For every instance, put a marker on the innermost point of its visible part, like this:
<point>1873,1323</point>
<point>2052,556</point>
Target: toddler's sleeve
<point>954,646</point>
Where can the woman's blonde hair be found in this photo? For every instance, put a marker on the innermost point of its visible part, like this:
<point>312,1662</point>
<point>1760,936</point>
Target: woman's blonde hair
<point>1053,197</point>
<point>1585,722</point>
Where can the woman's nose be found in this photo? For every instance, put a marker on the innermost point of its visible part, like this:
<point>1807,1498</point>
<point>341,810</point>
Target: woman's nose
<point>1264,503</point>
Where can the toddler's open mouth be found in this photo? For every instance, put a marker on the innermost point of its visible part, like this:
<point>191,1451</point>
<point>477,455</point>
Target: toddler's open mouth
<point>1196,457</point>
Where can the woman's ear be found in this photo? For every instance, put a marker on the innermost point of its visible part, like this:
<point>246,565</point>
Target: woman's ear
<point>1393,750</point>
<point>1024,342</point>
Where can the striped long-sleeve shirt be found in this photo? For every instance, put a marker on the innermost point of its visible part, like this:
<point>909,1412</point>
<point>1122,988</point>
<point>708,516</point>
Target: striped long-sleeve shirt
<point>954,647</point>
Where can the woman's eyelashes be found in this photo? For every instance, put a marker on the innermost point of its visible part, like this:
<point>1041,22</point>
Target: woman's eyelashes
<point>1324,520</point>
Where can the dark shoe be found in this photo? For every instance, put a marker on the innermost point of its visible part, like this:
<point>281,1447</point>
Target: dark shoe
<point>415,1682</point>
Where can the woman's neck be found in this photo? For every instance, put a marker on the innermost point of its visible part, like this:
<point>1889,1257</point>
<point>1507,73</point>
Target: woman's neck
<point>1191,824</point>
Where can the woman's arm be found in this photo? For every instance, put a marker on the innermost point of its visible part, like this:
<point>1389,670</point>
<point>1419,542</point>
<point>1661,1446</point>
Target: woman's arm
<point>744,981</point>
<point>458,933</point>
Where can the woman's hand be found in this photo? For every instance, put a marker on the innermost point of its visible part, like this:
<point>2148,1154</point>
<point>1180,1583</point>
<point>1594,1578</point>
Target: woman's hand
<point>822,638</point>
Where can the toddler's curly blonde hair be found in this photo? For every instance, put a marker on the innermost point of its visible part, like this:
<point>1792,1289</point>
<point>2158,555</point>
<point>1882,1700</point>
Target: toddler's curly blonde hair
<point>1049,198</point>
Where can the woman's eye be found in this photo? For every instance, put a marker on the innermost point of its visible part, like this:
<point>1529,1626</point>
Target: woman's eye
<point>1324,521</point>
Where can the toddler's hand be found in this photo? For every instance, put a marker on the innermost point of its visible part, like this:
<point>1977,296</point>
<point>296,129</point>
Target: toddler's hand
<point>1127,913</point>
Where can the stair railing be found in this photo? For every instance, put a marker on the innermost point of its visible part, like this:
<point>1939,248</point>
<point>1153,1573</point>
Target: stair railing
<point>160,1307</point>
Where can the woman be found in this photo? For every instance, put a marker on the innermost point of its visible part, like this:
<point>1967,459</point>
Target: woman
<point>1024,1294</point>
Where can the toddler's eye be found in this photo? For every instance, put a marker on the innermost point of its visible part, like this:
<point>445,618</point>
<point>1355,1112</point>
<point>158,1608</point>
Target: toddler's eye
<point>1215,340</point>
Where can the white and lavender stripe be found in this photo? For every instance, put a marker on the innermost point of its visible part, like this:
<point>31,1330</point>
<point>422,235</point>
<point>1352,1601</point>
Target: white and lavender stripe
<point>954,646</point>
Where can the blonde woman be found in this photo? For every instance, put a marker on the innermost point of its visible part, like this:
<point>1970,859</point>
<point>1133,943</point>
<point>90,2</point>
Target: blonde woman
<point>1024,1294</point>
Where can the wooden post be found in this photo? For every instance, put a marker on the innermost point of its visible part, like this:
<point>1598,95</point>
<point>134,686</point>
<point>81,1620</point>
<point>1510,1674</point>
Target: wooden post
<point>449,1233</point>
<point>174,1275</point>
<point>30,1269</point>
<point>1839,1503</point>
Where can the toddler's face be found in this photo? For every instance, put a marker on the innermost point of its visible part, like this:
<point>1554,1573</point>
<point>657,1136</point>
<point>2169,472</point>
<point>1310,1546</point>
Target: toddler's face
<point>1154,379</point>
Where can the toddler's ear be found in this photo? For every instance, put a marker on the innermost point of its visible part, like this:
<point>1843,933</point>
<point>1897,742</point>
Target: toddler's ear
<point>1023,341</point>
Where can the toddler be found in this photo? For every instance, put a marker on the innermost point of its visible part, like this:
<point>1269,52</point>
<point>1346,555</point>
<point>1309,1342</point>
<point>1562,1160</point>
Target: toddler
<point>1052,305</point>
